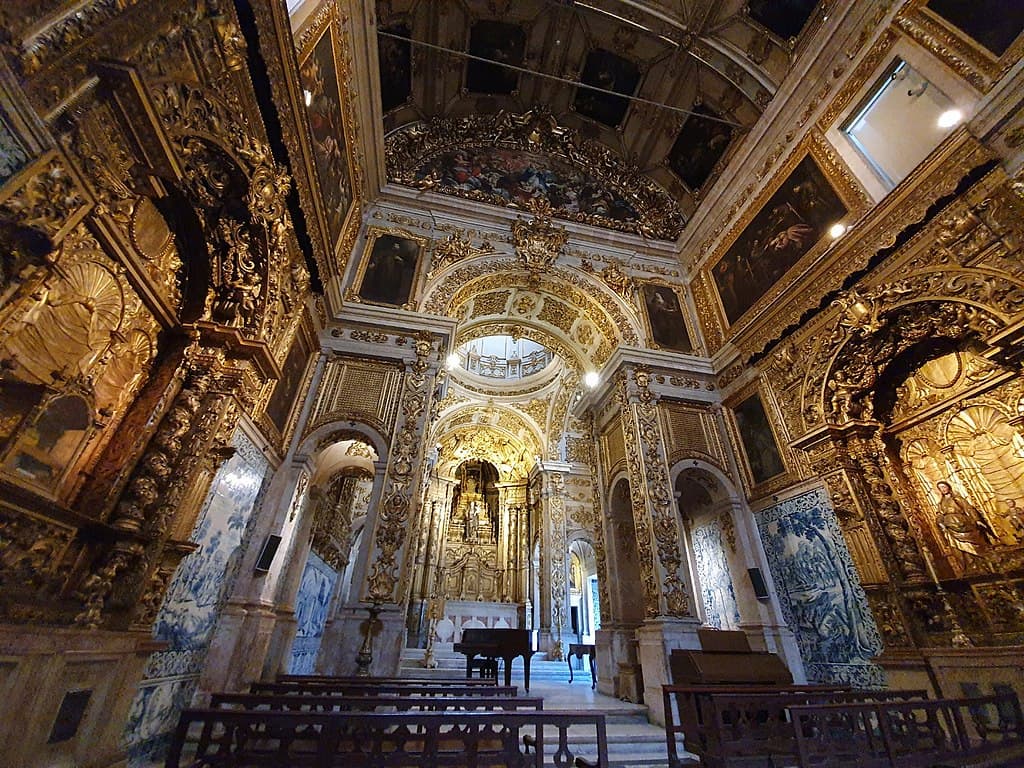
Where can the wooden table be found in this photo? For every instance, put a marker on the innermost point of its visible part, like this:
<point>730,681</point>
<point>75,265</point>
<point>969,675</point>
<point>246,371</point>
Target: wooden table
<point>579,650</point>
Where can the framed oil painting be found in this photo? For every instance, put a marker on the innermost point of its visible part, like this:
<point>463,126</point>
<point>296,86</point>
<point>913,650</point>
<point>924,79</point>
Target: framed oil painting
<point>788,222</point>
<point>605,70</point>
<point>994,24</point>
<point>758,440</point>
<point>699,146</point>
<point>665,321</point>
<point>321,87</point>
<point>980,41</point>
<point>282,403</point>
<point>390,267</point>
<point>497,41</point>
<point>785,18</point>
<point>395,60</point>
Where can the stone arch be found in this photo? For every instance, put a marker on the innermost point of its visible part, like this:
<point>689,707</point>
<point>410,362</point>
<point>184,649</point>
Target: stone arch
<point>498,434</point>
<point>706,506</point>
<point>607,318</point>
<point>338,431</point>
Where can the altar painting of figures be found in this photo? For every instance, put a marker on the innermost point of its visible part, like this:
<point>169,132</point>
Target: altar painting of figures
<point>665,318</point>
<point>390,266</point>
<point>786,227</point>
<point>758,439</point>
<point>320,84</point>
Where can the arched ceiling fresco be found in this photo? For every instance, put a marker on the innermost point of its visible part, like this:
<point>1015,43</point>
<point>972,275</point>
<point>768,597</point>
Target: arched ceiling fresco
<point>698,74</point>
<point>492,433</point>
<point>575,317</point>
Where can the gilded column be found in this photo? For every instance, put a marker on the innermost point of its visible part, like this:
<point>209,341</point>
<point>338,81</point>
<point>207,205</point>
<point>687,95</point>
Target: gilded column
<point>659,541</point>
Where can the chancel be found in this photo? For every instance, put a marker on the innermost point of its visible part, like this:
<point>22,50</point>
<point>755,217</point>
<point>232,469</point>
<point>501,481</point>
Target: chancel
<point>339,336</point>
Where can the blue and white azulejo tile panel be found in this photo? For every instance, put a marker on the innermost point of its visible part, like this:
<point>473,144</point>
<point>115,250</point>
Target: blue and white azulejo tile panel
<point>819,591</point>
<point>716,588</point>
<point>194,598</point>
<point>311,605</point>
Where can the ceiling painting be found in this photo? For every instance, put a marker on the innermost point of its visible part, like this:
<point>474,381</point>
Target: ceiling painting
<point>786,18</point>
<point>516,160</point>
<point>699,146</point>
<point>496,41</point>
<point>609,72</point>
<point>472,63</point>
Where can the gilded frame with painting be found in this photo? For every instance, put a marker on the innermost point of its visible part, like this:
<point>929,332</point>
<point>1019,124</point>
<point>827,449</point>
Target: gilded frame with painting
<point>785,227</point>
<point>322,77</point>
<point>665,319</point>
<point>389,272</point>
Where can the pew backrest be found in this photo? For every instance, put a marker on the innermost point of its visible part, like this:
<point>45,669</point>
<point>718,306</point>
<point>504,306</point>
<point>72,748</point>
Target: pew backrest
<point>908,734</point>
<point>383,740</point>
<point>689,717</point>
<point>312,703</point>
<point>380,689</point>
<point>350,680</point>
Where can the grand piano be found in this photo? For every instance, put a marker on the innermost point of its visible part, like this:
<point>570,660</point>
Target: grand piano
<point>504,644</point>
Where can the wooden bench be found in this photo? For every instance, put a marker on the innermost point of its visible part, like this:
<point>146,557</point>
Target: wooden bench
<point>264,738</point>
<point>313,703</point>
<point>364,689</point>
<point>757,729</point>
<point>331,679</point>
<point>982,732</point>
<point>688,715</point>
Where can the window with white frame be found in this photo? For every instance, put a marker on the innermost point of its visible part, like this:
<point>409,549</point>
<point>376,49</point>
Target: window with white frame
<point>902,119</point>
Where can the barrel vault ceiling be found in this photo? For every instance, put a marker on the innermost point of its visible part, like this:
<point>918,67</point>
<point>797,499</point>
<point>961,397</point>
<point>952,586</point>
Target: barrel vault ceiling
<point>720,59</point>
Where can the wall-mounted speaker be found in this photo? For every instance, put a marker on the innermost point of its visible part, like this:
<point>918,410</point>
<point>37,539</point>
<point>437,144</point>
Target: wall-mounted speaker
<point>267,555</point>
<point>758,583</point>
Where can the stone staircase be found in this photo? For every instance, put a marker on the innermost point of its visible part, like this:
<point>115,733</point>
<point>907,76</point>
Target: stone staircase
<point>633,742</point>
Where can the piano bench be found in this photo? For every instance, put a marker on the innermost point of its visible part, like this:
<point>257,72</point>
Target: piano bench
<point>488,668</point>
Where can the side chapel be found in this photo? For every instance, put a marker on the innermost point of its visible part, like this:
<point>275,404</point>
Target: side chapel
<point>608,320</point>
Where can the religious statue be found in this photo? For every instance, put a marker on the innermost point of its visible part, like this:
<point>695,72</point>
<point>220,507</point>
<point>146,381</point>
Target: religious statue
<point>1014,517</point>
<point>963,527</point>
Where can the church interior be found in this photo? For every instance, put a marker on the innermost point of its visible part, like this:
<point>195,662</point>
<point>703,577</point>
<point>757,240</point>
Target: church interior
<point>609,320</point>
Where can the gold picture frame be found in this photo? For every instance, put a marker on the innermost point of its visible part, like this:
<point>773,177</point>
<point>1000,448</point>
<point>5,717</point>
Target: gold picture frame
<point>385,277</point>
<point>657,315</point>
<point>323,79</point>
<point>954,46</point>
<point>846,190</point>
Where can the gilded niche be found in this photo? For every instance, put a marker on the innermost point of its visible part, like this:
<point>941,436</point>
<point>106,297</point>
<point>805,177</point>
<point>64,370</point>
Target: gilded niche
<point>519,160</point>
<point>956,426</point>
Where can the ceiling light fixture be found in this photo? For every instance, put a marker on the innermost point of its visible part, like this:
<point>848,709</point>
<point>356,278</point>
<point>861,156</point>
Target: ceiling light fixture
<point>592,379</point>
<point>950,117</point>
<point>837,230</point>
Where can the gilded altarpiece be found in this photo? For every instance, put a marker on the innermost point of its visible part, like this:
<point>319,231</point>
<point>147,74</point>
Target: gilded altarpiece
<point>904,396</point>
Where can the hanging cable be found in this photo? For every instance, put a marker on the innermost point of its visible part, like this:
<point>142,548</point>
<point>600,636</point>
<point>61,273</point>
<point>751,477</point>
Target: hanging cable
<point>565,80</point>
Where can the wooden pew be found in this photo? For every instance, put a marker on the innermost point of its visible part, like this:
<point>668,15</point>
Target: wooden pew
<point>982,732</point>
<point>313,703</point>
<point>688,715</point>
<point>363,689</point>
<point>330,680</point>
<point>756,729</point>
<point>263,738</point>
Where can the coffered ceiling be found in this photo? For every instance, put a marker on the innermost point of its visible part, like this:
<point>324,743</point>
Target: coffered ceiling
<point>700,73</point>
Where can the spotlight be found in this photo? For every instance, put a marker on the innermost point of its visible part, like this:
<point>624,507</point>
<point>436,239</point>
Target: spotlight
<point>307,97</point>
<point>950,117</point>
<point>452,361</point>
<point>837,230</point>
<point>591,379</point>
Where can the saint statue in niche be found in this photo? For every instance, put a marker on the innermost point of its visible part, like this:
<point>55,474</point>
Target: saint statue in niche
<point>965,530</point>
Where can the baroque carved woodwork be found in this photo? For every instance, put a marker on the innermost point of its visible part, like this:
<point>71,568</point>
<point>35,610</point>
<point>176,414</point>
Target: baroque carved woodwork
<point>411,147</point>
<point>659,541</point>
